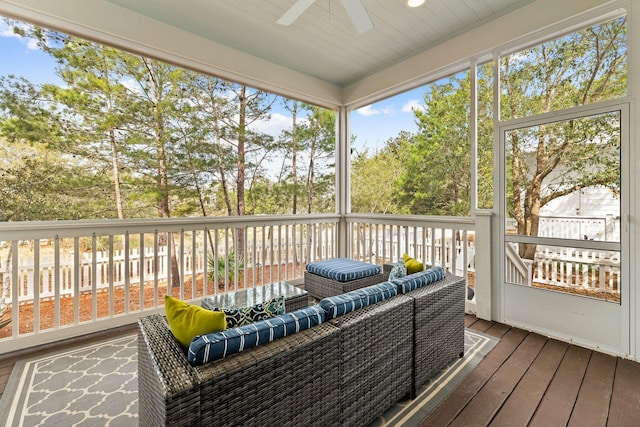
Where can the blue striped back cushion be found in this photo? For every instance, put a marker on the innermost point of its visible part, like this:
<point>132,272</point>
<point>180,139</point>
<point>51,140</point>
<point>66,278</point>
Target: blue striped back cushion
<point>210,347</point>
<point>342,304</point>
<point>343,269</point>
<point>417,280</point>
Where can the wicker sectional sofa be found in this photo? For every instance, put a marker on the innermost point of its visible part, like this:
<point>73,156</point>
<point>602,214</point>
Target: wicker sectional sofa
<point>345,371</point>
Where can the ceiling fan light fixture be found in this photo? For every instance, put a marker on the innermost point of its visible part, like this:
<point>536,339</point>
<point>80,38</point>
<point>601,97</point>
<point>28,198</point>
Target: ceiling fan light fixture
<point>415,3</point>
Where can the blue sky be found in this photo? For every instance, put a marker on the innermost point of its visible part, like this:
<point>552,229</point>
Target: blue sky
<point>372,125</point>
<point>22,58</point>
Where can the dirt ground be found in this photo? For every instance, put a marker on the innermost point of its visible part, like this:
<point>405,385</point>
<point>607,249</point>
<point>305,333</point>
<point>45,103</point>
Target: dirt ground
<point>85,303</point>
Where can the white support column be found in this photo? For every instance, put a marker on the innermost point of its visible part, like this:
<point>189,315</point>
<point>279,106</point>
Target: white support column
<point>484,264</point>
<point>473,134</point>
<point>630,221</point>
<point>343,179</point>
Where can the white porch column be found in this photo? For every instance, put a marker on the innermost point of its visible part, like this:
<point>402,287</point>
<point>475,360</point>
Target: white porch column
<point>343,179</point>
<point>484,264</point>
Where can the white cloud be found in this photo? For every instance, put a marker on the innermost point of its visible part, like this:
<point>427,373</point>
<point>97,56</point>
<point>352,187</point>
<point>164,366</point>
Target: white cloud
<point>274,126</point>
<point>131,85</point>
<point>368,111</point>
<point>6,30</point>
<point>412,104</point>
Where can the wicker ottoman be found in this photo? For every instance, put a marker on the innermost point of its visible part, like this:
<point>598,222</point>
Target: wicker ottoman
<point>336,276</point>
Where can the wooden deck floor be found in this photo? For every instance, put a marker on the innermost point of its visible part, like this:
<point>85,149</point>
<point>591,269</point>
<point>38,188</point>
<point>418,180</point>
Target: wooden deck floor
<point>526,380</point>
<point>530,380</point>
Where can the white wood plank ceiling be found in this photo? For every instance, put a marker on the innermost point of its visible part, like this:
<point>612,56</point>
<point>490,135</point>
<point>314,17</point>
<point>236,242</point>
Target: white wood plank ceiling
<point>323,42</point>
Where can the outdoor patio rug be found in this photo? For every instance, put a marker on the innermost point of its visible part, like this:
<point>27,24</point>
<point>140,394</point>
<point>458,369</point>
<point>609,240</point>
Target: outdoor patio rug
<point>94,385</point>
<point>97,385</point>
<point>410,413</point>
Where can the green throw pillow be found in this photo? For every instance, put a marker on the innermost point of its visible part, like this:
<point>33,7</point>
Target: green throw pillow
<point>413,265</point>
<point>187,321</point>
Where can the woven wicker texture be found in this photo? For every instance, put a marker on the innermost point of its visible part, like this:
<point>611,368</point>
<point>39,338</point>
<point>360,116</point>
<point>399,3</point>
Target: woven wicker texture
<point>439,326</point>
<point>344,372</point>
<point>377,359</point>
<point>321,287</point>
<point>168,390</point>
<point>284,383</point>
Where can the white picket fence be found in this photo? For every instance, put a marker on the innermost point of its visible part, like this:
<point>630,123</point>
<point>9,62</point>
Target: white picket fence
<point>578,268</point>
<point>150,266</point>
<point>153,267</point>
<point>565,267</point>
<point>578,227</point>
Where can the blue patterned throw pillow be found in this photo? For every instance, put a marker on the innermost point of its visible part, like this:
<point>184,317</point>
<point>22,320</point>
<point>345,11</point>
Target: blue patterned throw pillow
<point>339,305</point>
<point>240,316</point>
<point>210,347</point>
<point>417,280</point>
<point>398,270</point>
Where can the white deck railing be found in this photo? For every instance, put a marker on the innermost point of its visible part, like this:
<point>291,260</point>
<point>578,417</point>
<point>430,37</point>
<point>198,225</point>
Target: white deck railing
<point>67,278</point>
<point>448,242</point>
<point>60,279</point>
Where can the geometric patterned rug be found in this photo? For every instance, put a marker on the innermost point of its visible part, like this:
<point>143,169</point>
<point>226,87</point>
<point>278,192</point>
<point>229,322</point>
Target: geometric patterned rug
<point>97,385</point>
<point>94,385</point>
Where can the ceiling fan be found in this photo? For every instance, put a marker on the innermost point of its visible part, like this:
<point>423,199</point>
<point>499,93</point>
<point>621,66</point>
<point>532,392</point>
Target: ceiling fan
<point>355,10</point>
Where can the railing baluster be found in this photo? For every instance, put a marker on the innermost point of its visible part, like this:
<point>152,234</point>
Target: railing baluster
<point>76,280</point>
<point>216,262</point>
<point>36,286</point>
<point>279,251</point>
<point>141,273</point>
<point>110,271</point>
<point>180,261</point>
<point>57,284</point>
<point>156,267</point>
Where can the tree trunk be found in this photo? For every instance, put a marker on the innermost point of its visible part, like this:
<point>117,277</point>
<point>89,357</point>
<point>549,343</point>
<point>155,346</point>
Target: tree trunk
<point>116,174</point>
<point>310,176</point>
<point>162,177</point>
<point>294,167</point>
<point>294,154</point>
<point>242,123</point>
<point>115,162</point>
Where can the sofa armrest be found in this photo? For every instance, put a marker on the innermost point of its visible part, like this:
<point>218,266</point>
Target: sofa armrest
<point>377,358</point>
<point>386,270</point>
<point>168,391</point>
<point>439,326</point>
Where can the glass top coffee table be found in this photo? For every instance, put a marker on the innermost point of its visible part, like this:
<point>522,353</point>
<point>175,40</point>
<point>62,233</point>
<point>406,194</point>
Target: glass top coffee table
<point>295,298</point>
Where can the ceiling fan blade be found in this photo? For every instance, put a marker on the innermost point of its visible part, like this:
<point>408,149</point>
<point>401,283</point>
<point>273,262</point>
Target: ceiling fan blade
<point>294,12</point>
<point>358,15</point>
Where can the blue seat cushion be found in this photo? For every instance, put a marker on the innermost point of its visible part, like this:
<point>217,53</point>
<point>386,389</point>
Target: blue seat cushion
<point>210,347</point>
<point>417,280</point>
<point>343,269</point>
<point>342,304</point>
